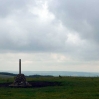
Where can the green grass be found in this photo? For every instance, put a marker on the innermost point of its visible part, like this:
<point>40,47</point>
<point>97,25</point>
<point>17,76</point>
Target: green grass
<point>72,88</point>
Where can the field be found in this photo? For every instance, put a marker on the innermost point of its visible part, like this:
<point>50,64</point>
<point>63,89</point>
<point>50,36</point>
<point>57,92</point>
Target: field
<point>69,88</point>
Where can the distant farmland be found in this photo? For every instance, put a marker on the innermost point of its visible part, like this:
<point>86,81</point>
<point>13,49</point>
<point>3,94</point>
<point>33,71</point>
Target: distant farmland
<point>6,76</point>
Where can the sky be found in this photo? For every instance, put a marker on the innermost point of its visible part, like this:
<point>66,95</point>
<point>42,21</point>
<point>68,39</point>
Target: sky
<point>49,35</point>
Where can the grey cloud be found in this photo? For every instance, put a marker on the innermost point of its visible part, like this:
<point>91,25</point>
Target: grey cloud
<point>7,7</point>
<point>79,15</point>
<point>23,31</point>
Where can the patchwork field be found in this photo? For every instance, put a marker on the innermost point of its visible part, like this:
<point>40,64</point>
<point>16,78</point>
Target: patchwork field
<point>59,88</point>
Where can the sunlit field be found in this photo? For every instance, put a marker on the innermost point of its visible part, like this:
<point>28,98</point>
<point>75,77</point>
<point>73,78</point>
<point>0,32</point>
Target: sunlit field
<point>69,88</point>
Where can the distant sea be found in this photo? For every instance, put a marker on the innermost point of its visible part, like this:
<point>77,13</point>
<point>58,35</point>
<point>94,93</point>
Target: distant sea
<point>57,73</point>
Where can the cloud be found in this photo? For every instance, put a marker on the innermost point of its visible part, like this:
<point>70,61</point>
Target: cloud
<point>80,17</point>
<point>56,26</point>
<point>51,33</point>
<point>30,27</point>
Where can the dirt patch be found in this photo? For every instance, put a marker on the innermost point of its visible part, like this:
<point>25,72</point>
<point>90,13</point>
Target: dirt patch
<point>36,84</point>
<point>44,83</point>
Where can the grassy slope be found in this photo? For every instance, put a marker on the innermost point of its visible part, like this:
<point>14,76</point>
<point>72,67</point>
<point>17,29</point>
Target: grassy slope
<point>73,88</point>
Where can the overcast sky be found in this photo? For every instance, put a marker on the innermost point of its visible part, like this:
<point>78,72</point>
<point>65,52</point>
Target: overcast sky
<point>49,35</point>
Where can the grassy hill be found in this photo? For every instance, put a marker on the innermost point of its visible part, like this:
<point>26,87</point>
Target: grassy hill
<point>70,88</point>
<point>6,75</point>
